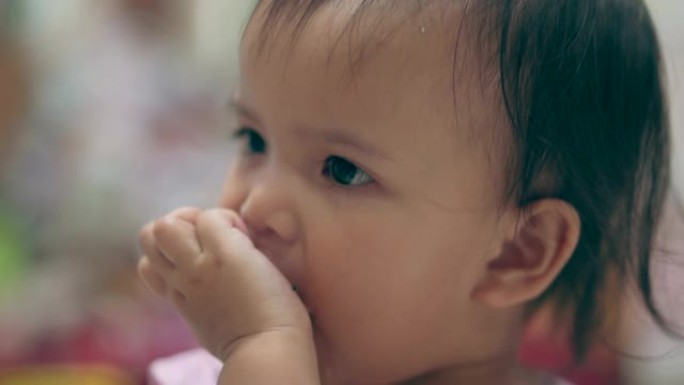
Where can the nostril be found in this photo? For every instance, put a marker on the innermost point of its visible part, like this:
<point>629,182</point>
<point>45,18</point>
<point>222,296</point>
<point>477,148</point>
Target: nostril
<point>265,239</point>
<point>250,225</point>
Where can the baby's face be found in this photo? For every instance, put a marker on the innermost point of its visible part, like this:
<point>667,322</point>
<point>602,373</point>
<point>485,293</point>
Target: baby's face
<point>371,191</point>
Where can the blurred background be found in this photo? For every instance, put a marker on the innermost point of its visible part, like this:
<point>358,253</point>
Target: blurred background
<point>111,113</point>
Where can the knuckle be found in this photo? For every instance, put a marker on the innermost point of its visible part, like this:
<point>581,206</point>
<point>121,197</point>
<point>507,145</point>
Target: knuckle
<point>207,262</point>
<point>217,215</point>
<point>207,216</point>
<point>164,228</point>
<point>211,261</point>
<point>194,271</point>
<point>186,213</point>
<point>202,269</point>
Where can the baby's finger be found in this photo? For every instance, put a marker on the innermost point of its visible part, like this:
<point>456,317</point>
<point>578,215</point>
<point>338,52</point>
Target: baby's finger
<point>177,239</point>
<point>148,244</point>
<point>189,214</point>
<point>218,231</point>
<point>154,282</point>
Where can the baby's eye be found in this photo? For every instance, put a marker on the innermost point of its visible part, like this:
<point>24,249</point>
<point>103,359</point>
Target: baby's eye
<point>345,173</point>
<point>255,143</point>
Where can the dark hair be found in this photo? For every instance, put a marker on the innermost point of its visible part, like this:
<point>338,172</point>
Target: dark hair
<point>581,83</point>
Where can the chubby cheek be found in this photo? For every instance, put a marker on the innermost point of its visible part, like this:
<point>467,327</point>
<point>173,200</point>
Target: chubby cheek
<point>379,289</point>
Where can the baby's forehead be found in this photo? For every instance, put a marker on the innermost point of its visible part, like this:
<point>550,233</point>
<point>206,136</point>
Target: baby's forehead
<point>395,54</point>
<point>431,42</point>
<point>357,32</point>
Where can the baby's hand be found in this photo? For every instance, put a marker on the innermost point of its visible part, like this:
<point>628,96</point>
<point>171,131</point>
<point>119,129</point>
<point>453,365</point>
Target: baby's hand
<point>205,264</point>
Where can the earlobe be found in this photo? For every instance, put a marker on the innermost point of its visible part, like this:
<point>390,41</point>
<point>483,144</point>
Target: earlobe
<point>542,242</point>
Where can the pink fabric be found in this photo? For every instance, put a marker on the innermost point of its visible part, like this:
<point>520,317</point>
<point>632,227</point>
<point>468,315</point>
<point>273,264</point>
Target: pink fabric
<point>194,367</point>
<point>198,367</point>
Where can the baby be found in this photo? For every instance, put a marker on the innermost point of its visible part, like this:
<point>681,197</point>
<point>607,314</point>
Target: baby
<point>416,178</point>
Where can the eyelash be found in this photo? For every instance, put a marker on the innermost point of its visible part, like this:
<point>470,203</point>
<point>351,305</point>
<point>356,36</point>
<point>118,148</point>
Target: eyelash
<point>254,142</point>
<point>336,169</point>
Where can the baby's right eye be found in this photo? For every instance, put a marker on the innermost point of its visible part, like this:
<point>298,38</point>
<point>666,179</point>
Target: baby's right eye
<point>254,142</point>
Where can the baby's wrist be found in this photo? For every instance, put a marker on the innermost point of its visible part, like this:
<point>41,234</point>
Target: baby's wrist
<point>292,338</point>
<point>290,353</point>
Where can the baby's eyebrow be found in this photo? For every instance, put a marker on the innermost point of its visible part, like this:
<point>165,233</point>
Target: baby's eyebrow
<point>345,140</point>
<point>328,135</point>
<point>235,105</point>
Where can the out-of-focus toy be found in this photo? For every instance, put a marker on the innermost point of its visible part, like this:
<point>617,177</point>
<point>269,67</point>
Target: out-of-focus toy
<point>66,375</point>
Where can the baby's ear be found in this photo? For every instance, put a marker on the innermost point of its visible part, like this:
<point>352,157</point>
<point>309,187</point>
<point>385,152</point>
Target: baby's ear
<point>543,240</point>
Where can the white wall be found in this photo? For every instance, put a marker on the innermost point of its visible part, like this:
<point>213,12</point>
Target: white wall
<point>218,26</point>
<point>668,369</point>
<point>669,16</point>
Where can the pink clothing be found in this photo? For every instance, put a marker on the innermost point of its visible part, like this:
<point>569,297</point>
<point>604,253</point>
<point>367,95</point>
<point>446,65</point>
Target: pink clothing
<point>194,367</point>
<point>198,367</point>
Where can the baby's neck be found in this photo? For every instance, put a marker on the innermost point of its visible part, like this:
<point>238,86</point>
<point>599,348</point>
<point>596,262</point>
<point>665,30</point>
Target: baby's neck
<point>497,371</point>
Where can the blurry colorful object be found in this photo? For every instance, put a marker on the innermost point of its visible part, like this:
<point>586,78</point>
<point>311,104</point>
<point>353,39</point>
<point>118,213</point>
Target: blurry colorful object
<point>65,375</point>
<point>10,14</point>
<point>13,252</point>
<point>547,345</point>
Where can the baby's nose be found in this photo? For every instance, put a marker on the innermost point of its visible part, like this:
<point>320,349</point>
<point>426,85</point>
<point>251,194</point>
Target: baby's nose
<point>269,214</point>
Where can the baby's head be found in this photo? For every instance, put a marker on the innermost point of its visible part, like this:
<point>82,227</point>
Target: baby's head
<point>427,172</point>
